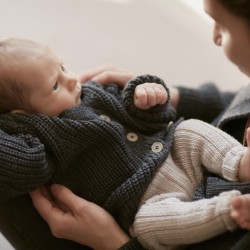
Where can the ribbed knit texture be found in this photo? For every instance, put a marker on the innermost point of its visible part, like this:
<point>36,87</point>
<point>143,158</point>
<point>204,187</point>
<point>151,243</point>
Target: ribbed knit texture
<point>215,185</point>
<point>23,164</point>
<point>168,217</point>
<point>204,103</point>
<point>230,117</point>
<point>89,154</point>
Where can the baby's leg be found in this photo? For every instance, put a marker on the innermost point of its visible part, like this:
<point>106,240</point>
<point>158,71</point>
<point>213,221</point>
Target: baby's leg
<point>198,144</point>
<point>240,210</point>
<point>244,169</point>
<point>164,222</point>
<point>168,217</point>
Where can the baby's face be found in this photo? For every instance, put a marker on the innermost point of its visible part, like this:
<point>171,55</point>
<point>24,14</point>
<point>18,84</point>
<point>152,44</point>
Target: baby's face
<point>52,89</point>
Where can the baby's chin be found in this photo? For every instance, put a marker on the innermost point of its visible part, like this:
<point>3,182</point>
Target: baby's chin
<point>78,102</point>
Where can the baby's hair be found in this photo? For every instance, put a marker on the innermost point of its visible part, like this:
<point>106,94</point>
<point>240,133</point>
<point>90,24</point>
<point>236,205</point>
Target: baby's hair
<point>238,7</point>
<point>13,53</point>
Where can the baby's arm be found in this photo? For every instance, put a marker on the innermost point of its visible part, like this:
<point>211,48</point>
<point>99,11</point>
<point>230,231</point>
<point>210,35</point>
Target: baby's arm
<point>148,95</point>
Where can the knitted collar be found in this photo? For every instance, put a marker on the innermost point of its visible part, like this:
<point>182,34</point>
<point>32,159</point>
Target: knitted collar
<point>239,108</point>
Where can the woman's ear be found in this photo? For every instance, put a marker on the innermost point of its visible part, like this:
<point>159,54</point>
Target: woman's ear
<point>20,111</point>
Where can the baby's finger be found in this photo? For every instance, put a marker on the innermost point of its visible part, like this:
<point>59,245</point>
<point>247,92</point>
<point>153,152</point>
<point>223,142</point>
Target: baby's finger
<point>161,93</point>
<point>140,97</point>
<point>151,96</point>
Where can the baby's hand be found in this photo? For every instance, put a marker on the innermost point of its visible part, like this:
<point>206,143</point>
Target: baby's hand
<point>148,95</point>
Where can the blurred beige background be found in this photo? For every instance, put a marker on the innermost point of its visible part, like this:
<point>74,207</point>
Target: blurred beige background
<point>163,37</point>
<point>169,38</point>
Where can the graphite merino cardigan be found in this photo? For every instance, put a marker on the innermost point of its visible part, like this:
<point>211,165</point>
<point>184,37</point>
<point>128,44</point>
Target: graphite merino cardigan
<point>87,149</point>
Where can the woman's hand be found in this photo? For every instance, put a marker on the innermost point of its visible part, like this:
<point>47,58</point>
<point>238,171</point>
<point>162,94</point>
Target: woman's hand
<point>107,74</point>
<point>73,218</point>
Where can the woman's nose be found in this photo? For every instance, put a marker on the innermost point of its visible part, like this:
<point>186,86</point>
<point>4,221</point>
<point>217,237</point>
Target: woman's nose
<point>217,38</point>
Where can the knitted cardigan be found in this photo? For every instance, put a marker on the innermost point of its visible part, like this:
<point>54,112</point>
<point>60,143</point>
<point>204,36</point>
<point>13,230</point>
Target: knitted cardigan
<point>87,149</point>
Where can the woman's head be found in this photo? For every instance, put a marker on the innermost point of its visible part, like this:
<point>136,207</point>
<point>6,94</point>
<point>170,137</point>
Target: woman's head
<point>240,8</point>
<point>232,29</point>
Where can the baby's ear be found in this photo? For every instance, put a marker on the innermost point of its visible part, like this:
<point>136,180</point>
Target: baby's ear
<point>20,111</point>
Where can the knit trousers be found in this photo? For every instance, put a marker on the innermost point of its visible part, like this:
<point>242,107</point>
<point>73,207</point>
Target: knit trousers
<point>167,217</point>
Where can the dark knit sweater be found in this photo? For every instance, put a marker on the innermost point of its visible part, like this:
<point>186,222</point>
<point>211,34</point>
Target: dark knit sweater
<point>87,152</point>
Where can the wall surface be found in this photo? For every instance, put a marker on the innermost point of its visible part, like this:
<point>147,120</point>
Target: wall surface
<point>167,38</point>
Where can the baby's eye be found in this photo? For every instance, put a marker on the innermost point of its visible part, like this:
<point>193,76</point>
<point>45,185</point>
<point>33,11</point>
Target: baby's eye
<point>55,87</point>
<point>63,68</point>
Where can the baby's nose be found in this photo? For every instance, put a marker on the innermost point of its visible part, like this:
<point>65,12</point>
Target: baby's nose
<point>78,85</point>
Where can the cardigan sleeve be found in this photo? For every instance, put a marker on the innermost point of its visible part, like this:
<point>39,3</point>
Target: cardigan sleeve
<point>23,165</point>
<point>204,103</point>
<point>160,113</point>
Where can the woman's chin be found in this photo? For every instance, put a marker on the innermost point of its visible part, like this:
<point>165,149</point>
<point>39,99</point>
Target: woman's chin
<point>246,72</point>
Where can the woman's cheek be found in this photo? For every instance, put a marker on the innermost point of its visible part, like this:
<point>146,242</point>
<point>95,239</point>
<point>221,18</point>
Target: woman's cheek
<point>230,50</point>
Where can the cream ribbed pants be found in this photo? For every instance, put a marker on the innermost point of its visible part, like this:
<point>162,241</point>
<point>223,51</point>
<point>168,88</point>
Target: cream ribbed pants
<point>168,218</point>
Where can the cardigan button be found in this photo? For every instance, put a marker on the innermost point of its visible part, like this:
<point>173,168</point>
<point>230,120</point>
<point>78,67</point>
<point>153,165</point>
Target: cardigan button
<point>132,137</point>
<point>157,147</point>
<point>169,125</point>
<point>105,117</point>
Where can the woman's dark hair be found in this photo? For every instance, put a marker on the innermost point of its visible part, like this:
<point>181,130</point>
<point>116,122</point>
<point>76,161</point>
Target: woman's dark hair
<point>238,7</point>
